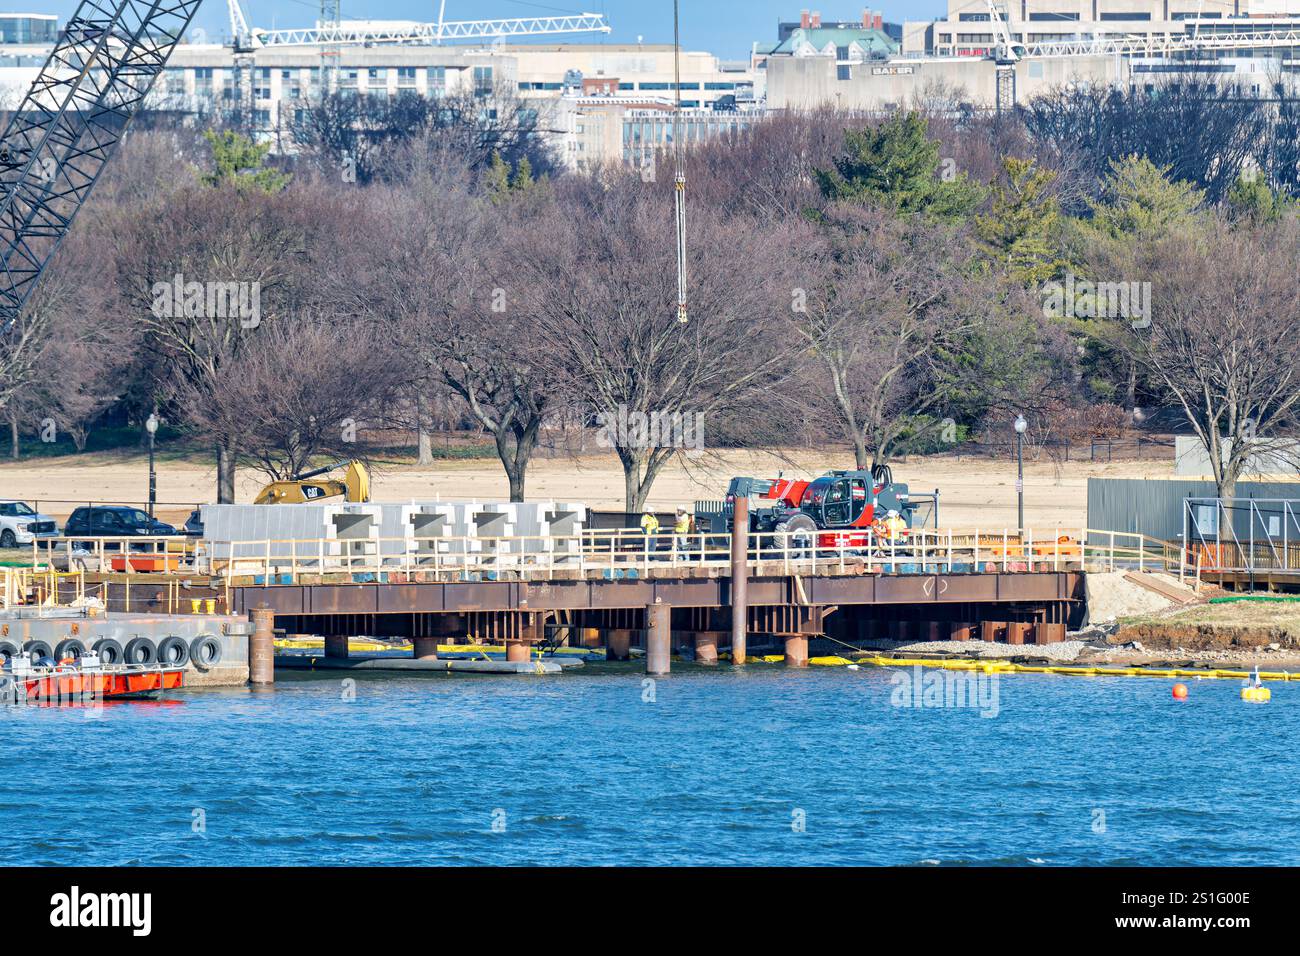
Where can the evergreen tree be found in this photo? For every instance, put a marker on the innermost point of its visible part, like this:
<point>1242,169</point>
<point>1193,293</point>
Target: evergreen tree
<point>1140,206</point>
<point>1141,203</point>
<point>1252,200</point>
<point>898,164</point>
<point>1021,234</point>
<point>239,161</point>
<point>496,180</point>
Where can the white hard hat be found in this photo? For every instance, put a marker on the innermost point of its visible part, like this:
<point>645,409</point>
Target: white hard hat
<point>683,510</point>
<point>893,513</point>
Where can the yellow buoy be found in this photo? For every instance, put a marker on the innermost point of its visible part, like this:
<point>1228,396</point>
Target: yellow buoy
<point>1256,695</point>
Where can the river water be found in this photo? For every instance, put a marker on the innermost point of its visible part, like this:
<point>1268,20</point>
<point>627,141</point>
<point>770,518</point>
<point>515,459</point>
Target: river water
<point>754,765</point>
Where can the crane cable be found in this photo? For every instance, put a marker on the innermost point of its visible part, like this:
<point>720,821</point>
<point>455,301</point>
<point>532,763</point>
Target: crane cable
<point>679,181</point>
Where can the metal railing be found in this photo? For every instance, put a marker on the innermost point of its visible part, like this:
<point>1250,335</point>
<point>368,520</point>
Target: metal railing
<point>1242,535</point>
<point>36,591</point>
<point>613,554</point>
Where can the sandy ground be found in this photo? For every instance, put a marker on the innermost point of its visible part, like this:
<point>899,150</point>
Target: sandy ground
<point>974,492</point>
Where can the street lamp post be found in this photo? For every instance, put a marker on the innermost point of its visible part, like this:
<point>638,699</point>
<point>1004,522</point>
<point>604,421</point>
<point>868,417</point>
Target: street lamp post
<point>151,426</point>
<point>1021,427</point>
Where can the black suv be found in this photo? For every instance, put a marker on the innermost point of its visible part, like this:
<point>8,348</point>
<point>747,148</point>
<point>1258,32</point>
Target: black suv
<point>114,521</point>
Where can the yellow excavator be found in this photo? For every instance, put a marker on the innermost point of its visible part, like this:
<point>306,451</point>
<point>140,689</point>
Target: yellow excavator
<point>309,486</point>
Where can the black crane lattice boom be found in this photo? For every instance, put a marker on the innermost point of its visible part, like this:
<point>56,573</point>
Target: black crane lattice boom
<point>68,125</point>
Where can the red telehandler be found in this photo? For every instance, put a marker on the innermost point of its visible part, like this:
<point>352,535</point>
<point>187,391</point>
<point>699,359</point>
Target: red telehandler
<point>839,509</point>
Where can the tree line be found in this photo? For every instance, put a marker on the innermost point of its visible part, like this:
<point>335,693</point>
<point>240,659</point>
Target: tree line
<point>892,283</point>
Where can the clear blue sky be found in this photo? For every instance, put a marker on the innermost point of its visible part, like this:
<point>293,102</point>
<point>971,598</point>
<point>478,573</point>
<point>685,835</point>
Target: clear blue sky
<point>722,27</point>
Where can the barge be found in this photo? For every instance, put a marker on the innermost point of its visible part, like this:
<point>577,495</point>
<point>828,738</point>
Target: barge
<point>83,681</point>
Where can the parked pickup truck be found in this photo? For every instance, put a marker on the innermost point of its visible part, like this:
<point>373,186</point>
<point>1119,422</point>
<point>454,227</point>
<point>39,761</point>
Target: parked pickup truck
<point>20,525</point>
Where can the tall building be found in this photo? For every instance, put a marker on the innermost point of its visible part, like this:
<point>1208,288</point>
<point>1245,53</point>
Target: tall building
<point>604,97</point>
<point>968,31</point>
<point>21,28</point>
<point>1053,43</point>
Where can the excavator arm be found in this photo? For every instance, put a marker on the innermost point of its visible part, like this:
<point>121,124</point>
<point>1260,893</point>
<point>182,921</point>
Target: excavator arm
<point>309,486</point>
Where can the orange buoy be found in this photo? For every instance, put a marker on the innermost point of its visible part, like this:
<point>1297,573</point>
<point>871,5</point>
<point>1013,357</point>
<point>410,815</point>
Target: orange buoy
<point>1180,691</point>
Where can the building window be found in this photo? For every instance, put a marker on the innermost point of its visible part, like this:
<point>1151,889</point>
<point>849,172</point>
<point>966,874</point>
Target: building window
<point>175,85</point>
<point>437,79</point>
<point>482,80</point>
<point>843,72</point>
<point>262,83</point>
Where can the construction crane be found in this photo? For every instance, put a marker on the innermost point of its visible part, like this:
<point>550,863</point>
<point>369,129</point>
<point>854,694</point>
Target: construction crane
<point>382,31</point>
<point>68,125</point>
<point>1005,56</point>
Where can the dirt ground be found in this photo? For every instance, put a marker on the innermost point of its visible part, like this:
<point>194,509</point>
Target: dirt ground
<point>974,492</point>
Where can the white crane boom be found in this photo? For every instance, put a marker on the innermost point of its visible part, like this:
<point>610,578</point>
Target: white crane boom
<point>388,32</point>
<point>239,30</point>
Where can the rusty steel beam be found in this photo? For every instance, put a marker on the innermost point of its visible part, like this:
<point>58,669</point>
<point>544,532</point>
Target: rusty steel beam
<point>463,597</point>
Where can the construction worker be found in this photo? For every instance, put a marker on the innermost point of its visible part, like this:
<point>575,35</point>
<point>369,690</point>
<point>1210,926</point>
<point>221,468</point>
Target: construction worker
<point>682,530</point>
<point>650,526</point>
<point>895,525</point>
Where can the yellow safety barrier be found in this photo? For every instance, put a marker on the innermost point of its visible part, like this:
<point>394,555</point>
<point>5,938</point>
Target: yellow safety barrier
<point>362,645</point>
<point>352,645</point>
<point>1007,667</point>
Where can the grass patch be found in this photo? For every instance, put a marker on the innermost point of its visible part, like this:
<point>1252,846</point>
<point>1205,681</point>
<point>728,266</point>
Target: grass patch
<point>1281,614</point>
<point>403,456</point>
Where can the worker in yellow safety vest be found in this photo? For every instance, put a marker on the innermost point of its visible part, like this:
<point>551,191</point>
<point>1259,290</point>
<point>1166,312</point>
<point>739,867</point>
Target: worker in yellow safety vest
<point>650,525</point>
<point>895,525</point>
<point>682,530</point>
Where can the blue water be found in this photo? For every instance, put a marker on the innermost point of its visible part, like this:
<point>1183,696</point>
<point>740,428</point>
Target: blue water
<point>580,769</point>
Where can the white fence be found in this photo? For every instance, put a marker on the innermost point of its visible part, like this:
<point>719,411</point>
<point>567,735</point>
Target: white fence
<point>619,553</point>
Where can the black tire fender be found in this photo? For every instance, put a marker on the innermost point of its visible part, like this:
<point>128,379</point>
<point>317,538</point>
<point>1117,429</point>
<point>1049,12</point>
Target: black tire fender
<point>139,650</point>
<point>7,650</point>
<point>38,649</point>
<point>173,652</point>
<point>69,647</point>
<point>205,652</point>
<point>109,651</point>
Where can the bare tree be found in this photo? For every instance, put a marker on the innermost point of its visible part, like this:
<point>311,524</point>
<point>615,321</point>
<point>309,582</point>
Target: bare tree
<point>600,286</point>
<point>904,335</point>
<point>297,391</point>
<point>1207,131</point>
<point>382,137</point>
<point>46,325</point>
<point>205,271</point>
<point>1224,340</point>
<point>439,268</point>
